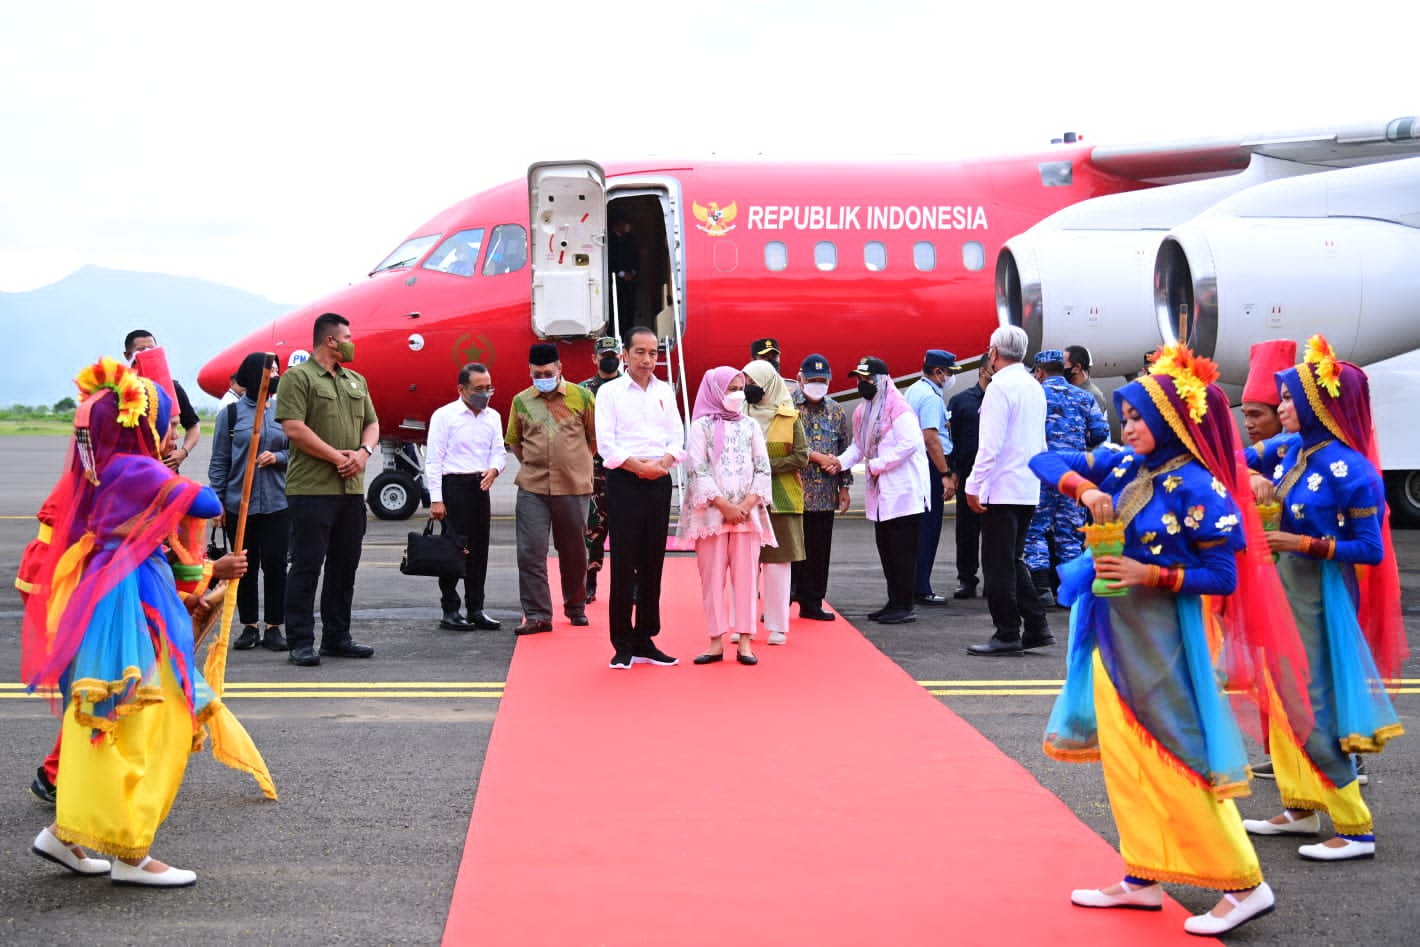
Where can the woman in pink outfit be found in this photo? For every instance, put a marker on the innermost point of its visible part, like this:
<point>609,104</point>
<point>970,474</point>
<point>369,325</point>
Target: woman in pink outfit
<point>723,509</point>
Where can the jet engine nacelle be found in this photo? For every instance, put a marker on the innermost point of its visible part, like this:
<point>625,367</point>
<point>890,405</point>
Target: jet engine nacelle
<point>1332,253</point>
<point>1242,280</point>
<point>1099,283</point>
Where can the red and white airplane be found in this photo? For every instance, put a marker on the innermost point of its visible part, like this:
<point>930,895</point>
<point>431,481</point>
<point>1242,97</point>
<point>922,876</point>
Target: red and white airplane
<point>1249,238</point>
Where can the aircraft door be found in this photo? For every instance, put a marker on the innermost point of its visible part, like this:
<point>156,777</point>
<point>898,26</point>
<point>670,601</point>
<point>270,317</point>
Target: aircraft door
<point>567,211</point>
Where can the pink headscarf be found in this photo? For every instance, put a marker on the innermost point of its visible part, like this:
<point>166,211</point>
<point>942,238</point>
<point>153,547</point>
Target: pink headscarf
<point>710,401</point>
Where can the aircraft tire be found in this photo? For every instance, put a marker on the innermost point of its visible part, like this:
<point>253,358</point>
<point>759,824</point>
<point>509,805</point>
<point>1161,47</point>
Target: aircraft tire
<point>393,495</point>
<point>1403,495</point>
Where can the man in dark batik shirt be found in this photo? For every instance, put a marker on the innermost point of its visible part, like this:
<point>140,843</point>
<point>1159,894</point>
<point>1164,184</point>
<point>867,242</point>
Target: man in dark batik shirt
<point>825,494</point>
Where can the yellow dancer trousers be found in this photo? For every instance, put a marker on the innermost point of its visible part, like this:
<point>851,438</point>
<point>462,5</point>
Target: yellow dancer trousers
<point>1303,788</point>
<point>114,794</point>
<point>1170,828</point>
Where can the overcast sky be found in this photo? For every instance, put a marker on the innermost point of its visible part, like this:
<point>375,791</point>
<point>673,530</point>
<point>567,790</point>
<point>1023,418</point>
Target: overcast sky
<point>286,147</point>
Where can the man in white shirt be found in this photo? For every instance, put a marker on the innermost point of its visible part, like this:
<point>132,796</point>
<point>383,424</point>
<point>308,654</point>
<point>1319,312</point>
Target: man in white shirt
<point>640,438</point>
<point>463,457</point>
<point>1005,492</point>
<point>233,393</point>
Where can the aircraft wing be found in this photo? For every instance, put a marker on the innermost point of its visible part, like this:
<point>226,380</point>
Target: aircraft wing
<point>1340,147</point>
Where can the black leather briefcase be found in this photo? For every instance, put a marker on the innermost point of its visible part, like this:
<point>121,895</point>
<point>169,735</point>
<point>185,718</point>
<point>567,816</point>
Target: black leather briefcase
<point>434,555</point>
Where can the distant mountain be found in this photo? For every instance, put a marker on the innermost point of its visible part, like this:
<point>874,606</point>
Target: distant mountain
<point>56,330</point>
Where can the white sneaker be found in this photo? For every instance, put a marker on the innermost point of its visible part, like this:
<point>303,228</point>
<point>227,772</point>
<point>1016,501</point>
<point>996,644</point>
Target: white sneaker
<point>48,847</point>
<point>1260,902</point>
<point>1307,825</point>
<point>778,637</point>
<point>170,877</point>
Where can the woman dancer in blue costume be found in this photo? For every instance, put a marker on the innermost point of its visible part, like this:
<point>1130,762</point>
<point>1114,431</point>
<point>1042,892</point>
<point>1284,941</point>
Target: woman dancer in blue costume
<point>1335,559</point>
<point>113,637</point>
<point>1142,694</point>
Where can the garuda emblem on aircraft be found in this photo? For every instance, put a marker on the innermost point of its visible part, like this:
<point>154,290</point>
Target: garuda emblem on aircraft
<point>714,219</point>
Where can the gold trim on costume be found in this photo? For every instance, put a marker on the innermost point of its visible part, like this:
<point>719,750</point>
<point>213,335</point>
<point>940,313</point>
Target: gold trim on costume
<point>1319,408</point>
<point>1360,513</point>
<point>1166,408</point>
<point>1139,491</point>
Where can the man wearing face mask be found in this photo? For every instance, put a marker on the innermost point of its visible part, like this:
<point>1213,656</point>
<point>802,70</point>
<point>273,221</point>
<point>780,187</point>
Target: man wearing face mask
<point>326,412</point>
<point>607,356</point>
<point>926,398</point>
<point>552,432</point>
<point>825,493</point>
<point>463,457</point>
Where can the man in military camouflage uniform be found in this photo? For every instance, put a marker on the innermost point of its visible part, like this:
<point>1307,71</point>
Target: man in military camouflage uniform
<point>607,355</point>
<point>1073,421</point>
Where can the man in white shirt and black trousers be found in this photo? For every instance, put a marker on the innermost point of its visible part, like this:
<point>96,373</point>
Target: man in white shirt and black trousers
<point>1005,492</point>
<point>640,438</point>
<point>463,457</point>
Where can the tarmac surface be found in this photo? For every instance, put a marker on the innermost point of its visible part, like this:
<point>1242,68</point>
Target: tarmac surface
<point>377,769</point>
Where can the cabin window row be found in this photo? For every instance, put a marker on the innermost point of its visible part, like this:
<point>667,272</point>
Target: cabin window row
<point>875,256</point>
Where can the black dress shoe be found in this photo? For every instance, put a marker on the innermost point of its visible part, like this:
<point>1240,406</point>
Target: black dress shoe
<point>304,657</point>
<point>1037,641</point>
<point>534,626</point>
<point>708,658</point>
<point>580,621</point>
<point>994,646</point>
<point>453,621</point>
<point>347,649</point>
<point>897,616</point>
<point>482,622</point>
<point>816,614</point>
<point>879,613</point>
<point>965,591</point>
<point>932,598</point>
<point>749,660</point>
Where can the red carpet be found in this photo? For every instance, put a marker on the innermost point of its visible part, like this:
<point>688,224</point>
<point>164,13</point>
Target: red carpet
<point>820,798</point>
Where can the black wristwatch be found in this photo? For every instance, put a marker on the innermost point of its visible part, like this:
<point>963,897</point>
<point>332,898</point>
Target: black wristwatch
<point>368,449</point>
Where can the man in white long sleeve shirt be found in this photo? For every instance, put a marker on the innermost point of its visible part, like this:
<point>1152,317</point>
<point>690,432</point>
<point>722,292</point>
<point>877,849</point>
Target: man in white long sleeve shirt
<point>640,438</point>
<point>1005,492</point>
<point>463,457</point>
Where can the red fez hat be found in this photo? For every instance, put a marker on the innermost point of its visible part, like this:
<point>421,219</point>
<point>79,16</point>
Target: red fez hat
<point>152,364</point>
<point>1264,362</point>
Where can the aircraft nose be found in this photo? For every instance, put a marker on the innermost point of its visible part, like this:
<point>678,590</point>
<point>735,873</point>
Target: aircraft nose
<point>215,374</point>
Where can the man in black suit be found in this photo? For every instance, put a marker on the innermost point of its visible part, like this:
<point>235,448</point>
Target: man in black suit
<point>963,420</point>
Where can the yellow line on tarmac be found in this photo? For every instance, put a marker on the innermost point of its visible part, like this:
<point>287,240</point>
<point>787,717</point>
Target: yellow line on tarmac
<point>361,695</point>
<point>993,693</point>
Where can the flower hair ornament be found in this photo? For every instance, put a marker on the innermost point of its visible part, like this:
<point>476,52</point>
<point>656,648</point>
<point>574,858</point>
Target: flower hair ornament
<point>1322,357</point>
<point>1191,374</point>
<point>130,391</point>
<point>130,394</point>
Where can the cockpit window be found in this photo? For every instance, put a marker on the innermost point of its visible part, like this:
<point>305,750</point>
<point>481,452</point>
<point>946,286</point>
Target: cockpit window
<point>507,250</point>
<point>458,254</point>
<point>407,253</point>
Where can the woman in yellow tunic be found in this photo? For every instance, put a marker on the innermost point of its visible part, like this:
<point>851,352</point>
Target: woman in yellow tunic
<point>1141,693</point>
<point>113,637</point>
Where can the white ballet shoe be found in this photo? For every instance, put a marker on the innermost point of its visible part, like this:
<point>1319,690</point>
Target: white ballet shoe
<point>1139,898</point>
<point>1308,825</point>
<point>734,639</point>
<point>778,637</point>
<point>1354,848</point>
<point>1260,902</point>
<point>49,847</point>
<point>170,877</point>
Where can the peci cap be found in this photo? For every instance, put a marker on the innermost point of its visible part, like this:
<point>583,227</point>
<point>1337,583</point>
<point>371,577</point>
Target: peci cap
<point>607,343</point>
<point>762,347</point>
<point>871,365</point>
<point>1050,357</point>
<point>815,366</point>
<point>543,353</point>
<point>938,358</point>
<point>1265,360</point>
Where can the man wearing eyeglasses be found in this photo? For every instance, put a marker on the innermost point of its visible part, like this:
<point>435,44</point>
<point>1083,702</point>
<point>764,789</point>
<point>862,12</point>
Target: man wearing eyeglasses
<point>464,455</point>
